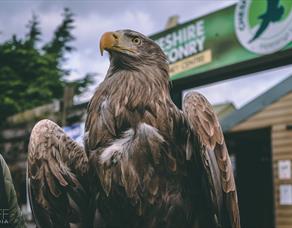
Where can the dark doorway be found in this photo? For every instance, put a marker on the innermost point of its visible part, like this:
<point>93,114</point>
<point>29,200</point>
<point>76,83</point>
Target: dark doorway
<point>251,151</point>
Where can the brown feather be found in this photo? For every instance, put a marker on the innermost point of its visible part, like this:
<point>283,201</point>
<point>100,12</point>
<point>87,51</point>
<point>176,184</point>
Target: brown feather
<point>52,176</point>
<point>205,125</point>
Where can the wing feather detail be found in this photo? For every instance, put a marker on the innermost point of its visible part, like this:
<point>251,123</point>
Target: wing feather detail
<point>205,130</point>
<point>57,184</point>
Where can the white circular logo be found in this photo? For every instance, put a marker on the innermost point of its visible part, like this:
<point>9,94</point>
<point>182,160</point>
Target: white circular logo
<point>265,26</point>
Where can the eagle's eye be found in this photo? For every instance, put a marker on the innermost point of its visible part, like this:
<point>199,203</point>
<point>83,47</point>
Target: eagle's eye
<point>136,40</point>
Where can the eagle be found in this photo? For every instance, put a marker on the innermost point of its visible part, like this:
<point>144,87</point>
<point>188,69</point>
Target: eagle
<point>144,163</point>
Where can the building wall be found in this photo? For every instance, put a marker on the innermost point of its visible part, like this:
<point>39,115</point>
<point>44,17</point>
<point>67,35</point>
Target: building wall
<point>277,116</point>
<point>282,150</point>
<point>280,112</point>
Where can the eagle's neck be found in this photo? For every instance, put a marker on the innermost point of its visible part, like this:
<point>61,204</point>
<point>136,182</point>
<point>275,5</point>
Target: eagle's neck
<point>145,77</point>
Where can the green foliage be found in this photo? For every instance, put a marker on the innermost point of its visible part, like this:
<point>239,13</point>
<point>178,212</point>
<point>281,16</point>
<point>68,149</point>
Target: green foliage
<point>30,75</point>
<point>62,38</point>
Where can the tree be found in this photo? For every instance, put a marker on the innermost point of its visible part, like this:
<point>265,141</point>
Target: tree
<point>31,75</point>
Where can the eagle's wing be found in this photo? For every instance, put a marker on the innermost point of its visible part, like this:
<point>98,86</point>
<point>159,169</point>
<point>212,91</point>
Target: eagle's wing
<point>213,157</point>
<point>57,185</point>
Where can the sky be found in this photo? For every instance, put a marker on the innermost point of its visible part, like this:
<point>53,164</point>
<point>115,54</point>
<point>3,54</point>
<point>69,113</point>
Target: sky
<point>94,17</point>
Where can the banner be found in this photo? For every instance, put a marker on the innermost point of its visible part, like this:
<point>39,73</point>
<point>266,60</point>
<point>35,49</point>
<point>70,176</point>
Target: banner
<point>241,32</point>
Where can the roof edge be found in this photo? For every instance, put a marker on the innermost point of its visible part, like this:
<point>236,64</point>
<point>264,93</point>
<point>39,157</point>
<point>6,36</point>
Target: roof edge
<point>256,105</point>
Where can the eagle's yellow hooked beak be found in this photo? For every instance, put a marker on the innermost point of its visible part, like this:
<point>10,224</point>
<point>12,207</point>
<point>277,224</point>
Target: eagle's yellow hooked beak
<point>116,41</point>
<point>109,40</point>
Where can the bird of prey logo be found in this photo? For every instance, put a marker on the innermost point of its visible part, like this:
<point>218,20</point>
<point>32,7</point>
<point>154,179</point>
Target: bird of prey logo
<point>273,13</point>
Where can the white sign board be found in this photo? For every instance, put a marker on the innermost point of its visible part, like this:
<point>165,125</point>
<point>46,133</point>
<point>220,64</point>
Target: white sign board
<point>286,194</point>
<point>284,169</point>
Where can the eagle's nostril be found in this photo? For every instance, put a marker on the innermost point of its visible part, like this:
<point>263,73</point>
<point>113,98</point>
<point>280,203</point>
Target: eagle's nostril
<point>115,36</point>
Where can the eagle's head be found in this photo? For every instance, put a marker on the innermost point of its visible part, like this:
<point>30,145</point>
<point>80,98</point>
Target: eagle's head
<point>132,50</point>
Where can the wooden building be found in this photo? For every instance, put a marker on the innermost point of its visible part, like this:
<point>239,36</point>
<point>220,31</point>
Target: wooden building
<point>259,137</point>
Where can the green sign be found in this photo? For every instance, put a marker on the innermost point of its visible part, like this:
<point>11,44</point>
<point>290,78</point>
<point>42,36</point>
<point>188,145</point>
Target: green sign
<point>241,32</point>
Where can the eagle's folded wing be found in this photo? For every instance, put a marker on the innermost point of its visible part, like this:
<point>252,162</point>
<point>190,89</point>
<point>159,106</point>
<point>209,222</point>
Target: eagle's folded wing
<point>206,138</point>
<point>57,184</point>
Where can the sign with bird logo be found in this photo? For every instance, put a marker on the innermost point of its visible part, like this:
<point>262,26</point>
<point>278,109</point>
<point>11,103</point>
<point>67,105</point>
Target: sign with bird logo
<point>242,34</point>
<point>264,27</point>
